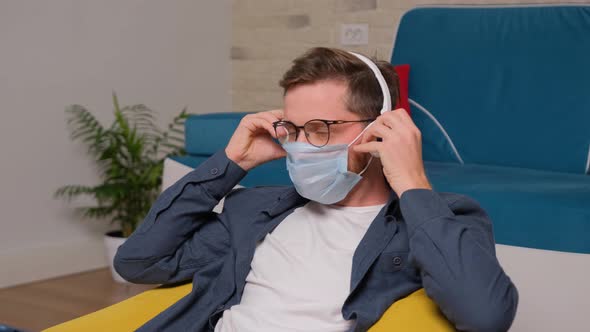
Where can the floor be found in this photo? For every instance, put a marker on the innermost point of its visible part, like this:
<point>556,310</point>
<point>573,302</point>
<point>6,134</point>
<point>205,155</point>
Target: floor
<point>39,305</point>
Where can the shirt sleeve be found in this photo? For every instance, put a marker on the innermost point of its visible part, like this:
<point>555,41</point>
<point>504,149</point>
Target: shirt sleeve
<point>181,233</point>
<point>452,245</point>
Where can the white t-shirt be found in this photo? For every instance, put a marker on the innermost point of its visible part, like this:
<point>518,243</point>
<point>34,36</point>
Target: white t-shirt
<point>300,273</point>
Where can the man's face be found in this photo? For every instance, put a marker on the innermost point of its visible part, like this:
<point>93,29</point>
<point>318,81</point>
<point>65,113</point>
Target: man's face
<point>326,100</point>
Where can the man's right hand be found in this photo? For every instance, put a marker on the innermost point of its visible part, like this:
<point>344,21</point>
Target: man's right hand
<point>252,143</point>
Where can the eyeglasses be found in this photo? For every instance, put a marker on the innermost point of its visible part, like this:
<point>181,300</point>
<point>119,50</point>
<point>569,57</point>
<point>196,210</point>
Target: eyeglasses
<point>317,131</point>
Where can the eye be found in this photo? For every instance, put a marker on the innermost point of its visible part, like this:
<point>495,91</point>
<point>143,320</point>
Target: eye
<point>316,127</point>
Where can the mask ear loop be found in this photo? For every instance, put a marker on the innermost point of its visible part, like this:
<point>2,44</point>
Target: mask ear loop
<point>355,139</point>
<point>366,167</point>
<point>373,154</point>
<point>361,134</point>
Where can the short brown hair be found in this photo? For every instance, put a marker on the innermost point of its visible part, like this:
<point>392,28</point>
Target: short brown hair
<point>364,93</point>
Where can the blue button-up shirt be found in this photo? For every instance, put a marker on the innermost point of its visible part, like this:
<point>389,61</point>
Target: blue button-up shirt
<point>440,241</point>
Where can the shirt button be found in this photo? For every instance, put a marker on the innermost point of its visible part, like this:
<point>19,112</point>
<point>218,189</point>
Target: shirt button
<point>214,171</point>
<point>397,260</point>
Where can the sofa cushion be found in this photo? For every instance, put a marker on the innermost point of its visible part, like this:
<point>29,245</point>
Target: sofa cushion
<point>528,208</point>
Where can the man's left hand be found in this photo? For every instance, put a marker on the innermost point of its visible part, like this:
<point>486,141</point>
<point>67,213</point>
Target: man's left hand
<point>400,150</point>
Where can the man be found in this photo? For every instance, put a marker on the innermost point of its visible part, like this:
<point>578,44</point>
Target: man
<point>361,229</point>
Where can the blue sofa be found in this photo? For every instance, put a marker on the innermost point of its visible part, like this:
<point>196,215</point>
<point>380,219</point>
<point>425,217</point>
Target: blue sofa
<point>510,86</point>
<point>502,97</point>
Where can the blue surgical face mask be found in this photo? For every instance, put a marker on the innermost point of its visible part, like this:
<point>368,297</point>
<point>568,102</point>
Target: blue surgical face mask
<point>321,174</point>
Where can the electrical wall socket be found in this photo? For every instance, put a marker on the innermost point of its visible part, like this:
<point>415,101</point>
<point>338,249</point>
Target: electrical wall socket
<point>354,34</point>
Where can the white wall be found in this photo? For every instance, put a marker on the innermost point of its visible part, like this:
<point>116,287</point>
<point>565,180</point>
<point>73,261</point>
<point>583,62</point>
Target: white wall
<point>166,54</point>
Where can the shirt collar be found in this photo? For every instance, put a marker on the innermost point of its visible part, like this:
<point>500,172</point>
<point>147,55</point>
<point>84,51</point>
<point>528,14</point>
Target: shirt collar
<point>290,198</point>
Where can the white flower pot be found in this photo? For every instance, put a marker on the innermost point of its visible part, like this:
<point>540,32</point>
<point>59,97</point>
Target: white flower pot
<point>112,241</point>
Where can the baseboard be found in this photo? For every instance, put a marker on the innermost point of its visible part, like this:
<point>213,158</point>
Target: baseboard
<point>49,261</point>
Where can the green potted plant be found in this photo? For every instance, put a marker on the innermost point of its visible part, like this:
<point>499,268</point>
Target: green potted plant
<point>130,158</point>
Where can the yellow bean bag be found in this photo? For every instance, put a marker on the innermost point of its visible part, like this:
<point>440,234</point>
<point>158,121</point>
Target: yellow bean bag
<point>417,312</point>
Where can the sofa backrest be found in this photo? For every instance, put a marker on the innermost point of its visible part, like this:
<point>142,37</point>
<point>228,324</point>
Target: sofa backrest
<point>510,85</point>
<point>208,133</point>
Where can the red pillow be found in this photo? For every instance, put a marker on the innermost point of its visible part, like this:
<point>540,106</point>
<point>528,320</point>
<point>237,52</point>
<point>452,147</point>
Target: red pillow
<point>403,73</point>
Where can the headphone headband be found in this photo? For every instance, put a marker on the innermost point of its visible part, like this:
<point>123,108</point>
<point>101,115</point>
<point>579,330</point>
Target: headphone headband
<point>382,83</point>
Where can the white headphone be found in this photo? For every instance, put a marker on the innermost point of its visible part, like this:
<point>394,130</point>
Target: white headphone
<point>382,83</point>
<point>384,90</point>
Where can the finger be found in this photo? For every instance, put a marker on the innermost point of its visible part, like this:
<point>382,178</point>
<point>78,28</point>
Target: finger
<point>408,123</point>
<point>281,132</point>
<point>378,130</point>
<point>402,124</point>
<point>394,121</point>
<point>255,123</point>
<point>272,117</point>
<point>367,135</point>
<point>384,120</point>
<point>278,114</point>
<point>270,129</point>
<point>280,152</point>
<point>400,110</point>
<point>268,116</point>
<point>404,116</point>
<point>372,146</point>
